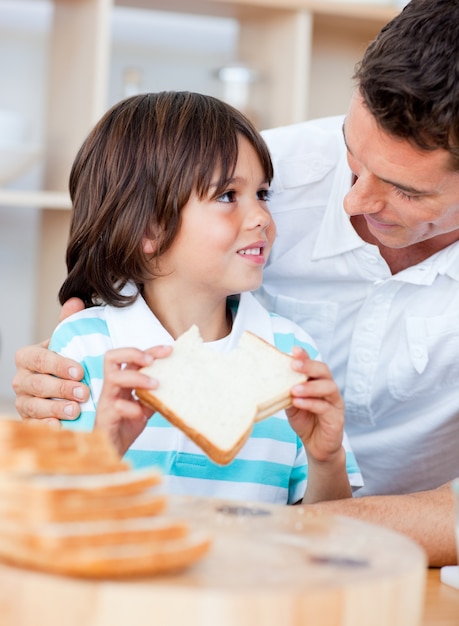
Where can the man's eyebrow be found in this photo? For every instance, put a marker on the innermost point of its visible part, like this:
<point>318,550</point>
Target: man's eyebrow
<point>407,188</point>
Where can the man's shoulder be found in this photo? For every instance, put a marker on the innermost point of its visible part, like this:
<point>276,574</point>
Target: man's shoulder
<point>304,154</point>
<point>319,135</point>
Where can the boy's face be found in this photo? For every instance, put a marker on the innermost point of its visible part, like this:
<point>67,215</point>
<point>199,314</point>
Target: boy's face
<point>224,241</point>
<point>407,196</point>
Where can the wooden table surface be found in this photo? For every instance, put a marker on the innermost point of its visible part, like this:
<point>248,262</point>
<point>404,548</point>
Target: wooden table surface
<point>441,602</point>
<point>259,578</point>
<point>268,565</point>
<point>441,605</point>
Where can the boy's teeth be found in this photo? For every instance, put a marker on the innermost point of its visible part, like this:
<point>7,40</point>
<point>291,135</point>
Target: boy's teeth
<point>255,251</point>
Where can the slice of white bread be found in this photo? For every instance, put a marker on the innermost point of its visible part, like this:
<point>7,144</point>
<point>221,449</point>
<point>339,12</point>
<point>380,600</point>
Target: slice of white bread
<point>34,447</point>
<point>119,560</point>
<point>62,488</point>
<point>83,534</point>
<point>92,502</point>
<point>214,397</point>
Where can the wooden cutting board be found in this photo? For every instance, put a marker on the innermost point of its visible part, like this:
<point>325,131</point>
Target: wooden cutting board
<point>268,566</point>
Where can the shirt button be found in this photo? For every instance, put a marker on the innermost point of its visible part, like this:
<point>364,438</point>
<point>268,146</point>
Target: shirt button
<point>316,166</point>
<point>365,356</point>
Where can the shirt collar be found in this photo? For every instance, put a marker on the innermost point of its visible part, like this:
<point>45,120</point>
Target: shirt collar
<point>449,264</point>
<point>443,263</point>
<point>336,234</point>
<point>135,325</point>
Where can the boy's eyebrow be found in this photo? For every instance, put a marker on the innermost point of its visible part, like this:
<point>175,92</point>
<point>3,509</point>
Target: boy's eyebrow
<point>237,179</point>
<point>411,190</point>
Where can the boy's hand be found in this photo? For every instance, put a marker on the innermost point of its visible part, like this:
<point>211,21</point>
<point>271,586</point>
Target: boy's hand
<point>119,413</point>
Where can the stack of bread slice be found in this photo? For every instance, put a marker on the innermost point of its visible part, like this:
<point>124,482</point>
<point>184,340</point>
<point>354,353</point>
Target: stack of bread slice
<point>69,505</point>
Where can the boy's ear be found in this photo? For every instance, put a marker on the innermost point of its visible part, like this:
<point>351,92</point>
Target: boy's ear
<point>149,245</point>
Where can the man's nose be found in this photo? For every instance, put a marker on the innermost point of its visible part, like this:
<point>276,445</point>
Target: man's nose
<point>364,196</point>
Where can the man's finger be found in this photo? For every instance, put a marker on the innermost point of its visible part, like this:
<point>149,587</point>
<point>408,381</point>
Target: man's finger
<point>39,359</point>
<point>43,409</point>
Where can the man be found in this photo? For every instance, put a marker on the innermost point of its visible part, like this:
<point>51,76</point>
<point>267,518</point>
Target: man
<point>377,285</point>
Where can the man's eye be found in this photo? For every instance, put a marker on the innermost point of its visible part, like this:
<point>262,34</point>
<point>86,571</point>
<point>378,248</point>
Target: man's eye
<point>403,195</point>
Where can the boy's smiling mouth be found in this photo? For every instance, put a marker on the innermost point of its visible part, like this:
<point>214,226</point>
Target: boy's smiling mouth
<point>251,251</point>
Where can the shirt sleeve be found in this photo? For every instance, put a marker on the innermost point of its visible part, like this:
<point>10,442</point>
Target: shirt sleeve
<point>85,339</point>
<point>288,334</point>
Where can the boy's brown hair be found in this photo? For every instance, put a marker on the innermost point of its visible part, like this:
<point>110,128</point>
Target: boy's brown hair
<point>132,177</point>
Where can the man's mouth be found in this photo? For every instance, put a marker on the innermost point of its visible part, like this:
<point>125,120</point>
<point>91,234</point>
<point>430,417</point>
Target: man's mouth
<point>377,224</point>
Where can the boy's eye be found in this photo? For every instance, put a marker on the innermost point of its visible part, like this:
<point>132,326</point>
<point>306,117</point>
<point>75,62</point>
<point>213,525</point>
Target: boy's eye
<point>231,196</point>
<point>264,194</point>
<point>228,196</point>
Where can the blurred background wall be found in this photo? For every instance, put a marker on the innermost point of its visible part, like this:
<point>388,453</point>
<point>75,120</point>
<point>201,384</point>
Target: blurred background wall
<point>150,50</point>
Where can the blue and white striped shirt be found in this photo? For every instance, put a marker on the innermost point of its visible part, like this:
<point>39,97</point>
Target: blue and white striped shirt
<point>271,466</point>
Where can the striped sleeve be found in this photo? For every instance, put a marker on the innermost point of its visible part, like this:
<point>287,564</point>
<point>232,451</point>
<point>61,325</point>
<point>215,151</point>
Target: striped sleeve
<point>288,334</point>
<point>84,337</point>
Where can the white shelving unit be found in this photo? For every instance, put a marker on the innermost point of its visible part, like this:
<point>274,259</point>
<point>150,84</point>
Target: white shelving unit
<point>303,49</point>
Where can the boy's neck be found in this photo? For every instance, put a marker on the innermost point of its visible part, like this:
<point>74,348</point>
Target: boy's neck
<point>178,314</point>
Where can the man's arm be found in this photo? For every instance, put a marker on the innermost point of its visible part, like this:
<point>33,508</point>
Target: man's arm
<point>42,374</point>
<point>427,517</point>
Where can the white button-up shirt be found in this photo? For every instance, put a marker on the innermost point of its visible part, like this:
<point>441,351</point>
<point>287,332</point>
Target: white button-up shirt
<point>392,341</point>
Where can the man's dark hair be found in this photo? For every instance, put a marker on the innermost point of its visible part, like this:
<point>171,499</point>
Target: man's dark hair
<point>409,76</point>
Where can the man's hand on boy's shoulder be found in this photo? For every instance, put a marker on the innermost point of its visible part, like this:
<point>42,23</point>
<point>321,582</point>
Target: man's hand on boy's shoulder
<point>42,374</point>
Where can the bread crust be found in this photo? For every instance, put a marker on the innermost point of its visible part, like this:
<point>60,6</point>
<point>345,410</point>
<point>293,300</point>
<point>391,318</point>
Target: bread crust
<point>219,456</point>
<point>33,448</point>
<point>265,407</point>
<point>116,561</point>
<point>222,457</point>
<point>53,537</point>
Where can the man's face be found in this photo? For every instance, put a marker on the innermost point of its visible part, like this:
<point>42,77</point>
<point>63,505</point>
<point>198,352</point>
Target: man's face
<point>405,195</point>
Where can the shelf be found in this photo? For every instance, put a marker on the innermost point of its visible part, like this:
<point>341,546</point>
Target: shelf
<point>362,11</point>
<point>381,12</point>
<point>35,199</point>
<point>78,73</point>
<point>304,50</point>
